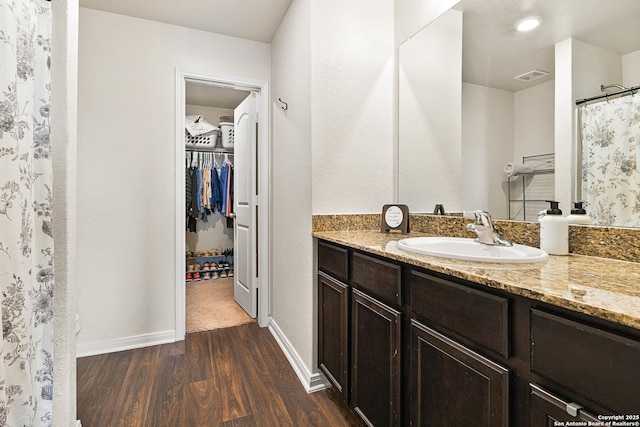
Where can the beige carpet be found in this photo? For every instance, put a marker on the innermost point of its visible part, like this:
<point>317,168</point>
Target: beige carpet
<point>210,305</point>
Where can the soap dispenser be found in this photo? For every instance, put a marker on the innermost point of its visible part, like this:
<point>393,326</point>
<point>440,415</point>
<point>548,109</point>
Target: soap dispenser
<point>579,215</point>
<point>554,231</point>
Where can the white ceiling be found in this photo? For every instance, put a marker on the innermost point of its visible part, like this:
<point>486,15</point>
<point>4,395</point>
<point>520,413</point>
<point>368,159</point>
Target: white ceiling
<point>248,19</point>
<point>494,53</point>
<point>256,20</point>
<point>214,96</point>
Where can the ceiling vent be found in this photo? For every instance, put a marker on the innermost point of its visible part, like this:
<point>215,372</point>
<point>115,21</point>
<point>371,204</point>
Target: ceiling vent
<point>532,75</point>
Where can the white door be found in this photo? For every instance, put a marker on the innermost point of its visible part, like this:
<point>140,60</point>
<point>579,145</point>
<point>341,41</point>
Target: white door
<point>244,205</point>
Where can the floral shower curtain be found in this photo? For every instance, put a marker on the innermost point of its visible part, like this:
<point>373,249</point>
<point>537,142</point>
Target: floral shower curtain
<point>26,241</point>
<point>611,161</point>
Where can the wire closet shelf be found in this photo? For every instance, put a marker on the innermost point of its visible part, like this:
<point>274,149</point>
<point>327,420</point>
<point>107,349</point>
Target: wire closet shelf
<point>528,193</point>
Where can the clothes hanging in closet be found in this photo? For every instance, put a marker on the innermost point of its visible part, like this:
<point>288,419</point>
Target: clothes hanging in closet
<point>208,190</point>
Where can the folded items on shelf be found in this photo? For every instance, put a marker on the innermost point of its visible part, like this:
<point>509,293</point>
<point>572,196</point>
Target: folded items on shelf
<point>517,169</point>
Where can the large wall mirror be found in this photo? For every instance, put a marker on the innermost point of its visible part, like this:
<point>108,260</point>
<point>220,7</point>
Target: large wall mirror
<point>476,94</point>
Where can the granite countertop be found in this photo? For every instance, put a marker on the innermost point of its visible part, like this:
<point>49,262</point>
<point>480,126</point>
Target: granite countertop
<point>600,287</point>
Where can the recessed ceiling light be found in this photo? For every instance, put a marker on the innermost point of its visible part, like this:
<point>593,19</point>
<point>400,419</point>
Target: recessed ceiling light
<point>527,24</point>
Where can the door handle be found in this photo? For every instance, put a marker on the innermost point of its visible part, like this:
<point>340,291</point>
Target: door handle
<point>232,215</point>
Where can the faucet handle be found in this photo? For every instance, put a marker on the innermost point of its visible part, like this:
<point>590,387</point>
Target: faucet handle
<point>483,218</point>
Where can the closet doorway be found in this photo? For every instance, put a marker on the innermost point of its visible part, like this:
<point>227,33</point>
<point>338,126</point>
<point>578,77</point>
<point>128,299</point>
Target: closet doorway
<point>220,232</point>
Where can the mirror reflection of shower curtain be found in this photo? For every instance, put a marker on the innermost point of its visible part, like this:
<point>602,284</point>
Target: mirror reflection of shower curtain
<point>610,138</point>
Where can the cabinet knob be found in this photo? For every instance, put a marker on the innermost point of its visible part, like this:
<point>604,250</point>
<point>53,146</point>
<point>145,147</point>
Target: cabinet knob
<point>573,409</point>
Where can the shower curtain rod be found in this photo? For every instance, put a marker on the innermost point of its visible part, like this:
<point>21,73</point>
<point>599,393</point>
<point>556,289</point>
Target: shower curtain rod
<point>631,90</point>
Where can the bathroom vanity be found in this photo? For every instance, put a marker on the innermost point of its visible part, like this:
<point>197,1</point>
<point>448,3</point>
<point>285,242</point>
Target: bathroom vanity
<point>409,339</point>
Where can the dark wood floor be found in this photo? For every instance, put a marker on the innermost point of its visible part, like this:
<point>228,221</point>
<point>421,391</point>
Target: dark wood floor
<point>227,377</point>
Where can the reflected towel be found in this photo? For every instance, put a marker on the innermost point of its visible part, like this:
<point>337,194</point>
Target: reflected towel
<point>516,169</point>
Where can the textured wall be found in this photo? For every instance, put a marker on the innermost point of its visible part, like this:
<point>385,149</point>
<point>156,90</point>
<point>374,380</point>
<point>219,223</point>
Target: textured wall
<point>631,69</point>
<point>430,152</point>
<point>487,144</point>
<point>352,98</point>
<point>126,176</point>
<point>292,301</point>
<point>412,15</point>
<point>534,121</point>
<point>332,151</point>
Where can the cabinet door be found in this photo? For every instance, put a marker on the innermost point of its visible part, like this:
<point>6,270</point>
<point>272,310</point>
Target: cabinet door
<point>587,360</point>
<point>454,386</point>
<point>375,381</point>
<point>548,410</point>
<point>333,330</point>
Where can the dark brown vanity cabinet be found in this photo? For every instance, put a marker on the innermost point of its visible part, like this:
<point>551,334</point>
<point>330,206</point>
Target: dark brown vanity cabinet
<point>333,343</point>
<point>375,340</point>
<point>597,365</point>
<point>408,346</point>
<point>333,315</point>
<point>359,325</point>
<point>375,354</point>
<point>547,409</point>
<point>452,385</point>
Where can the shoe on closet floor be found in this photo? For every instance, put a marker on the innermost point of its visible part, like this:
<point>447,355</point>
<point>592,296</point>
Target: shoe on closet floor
<point>189,277</point>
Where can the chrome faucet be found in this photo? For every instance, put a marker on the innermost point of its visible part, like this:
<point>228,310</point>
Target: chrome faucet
<point>485,230</point>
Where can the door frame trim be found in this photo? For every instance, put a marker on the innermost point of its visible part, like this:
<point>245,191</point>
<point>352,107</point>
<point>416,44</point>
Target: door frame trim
<point>182,75</point>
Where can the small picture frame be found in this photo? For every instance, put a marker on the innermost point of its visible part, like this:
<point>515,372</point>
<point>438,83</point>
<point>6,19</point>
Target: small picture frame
<point>395,217</point>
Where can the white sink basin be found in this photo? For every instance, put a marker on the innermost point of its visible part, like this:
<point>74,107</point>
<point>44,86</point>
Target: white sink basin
<point>469,250</point>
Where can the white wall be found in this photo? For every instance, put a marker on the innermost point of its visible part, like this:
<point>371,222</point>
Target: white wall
<point>352,63</point>
<point>126,203</point>
<point>332,150</point>
<point>487,144</point>
<point>631,69</point>
<point>412,15</point>
<point>430,114</point>
<point>64,93</point>
<point>534,120</point>
<point>292,290</point>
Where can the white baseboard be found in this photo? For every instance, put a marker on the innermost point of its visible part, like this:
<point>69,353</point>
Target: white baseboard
<point>310,381</point>
<point>78,423</point>
<point>126,343</point>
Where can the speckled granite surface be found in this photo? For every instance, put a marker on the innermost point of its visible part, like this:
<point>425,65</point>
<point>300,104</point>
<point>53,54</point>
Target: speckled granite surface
<point>606,242</point>
<point>603,288</point>
<point>346,222</point>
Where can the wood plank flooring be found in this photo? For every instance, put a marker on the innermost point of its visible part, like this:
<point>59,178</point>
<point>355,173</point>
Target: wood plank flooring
<point>227,377</point>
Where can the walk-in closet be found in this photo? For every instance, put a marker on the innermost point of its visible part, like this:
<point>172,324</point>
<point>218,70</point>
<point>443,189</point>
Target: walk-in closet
<point>209,215</point>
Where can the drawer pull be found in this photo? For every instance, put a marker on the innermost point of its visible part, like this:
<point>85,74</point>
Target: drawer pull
<point>573,409</point>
